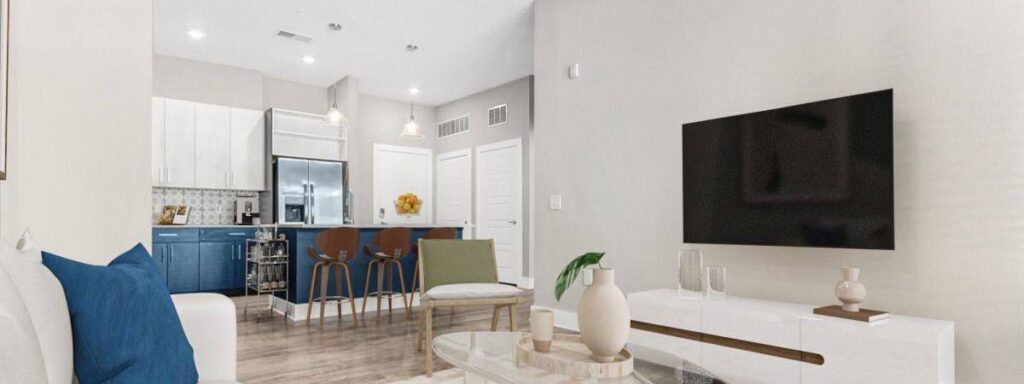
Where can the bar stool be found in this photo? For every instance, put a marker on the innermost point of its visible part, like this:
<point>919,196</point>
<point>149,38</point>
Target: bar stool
<point>338,246</point>
<point>392,246</point>
<point>449,233</point>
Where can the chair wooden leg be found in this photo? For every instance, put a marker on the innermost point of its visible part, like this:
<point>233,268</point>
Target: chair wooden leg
<point>452,313</point>
<point>512,314</point>
<point>312,287</point>
<point>494,319</point>
<point>429,338</point>
<point>401,282</point>
<point>351,297</point>
<point>325,274</point>
<point>389,281</point>
<point>366,291</point>
<point>420,333</point>
<point>415,276</point>
<point>337,289</point>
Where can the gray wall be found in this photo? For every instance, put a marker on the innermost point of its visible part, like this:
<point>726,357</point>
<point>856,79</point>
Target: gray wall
<point>79,126</point>
<point>518,95</point>
<point>610,142</point>
<point>379,121</point>
<point>198,81</point>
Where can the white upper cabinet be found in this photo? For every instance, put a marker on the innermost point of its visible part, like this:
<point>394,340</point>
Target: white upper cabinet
<point>247,150</point>
<point>179,144</point>
<point>158,142</point>
<point>213,146</point>
<point>198,145</point>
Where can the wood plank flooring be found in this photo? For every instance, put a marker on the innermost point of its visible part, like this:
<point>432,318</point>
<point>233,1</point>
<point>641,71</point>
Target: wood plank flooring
<point>269,351</point>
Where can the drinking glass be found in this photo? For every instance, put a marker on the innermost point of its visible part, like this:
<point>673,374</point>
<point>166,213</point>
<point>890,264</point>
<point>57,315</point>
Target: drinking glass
<point>689,263</point>
<point>343,254</point>
<point>715,281</point>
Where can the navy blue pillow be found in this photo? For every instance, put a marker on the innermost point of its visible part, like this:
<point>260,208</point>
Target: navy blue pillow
<point>123,322</point>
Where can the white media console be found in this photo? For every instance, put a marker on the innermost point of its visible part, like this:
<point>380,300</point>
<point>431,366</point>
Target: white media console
<point>745,340</point>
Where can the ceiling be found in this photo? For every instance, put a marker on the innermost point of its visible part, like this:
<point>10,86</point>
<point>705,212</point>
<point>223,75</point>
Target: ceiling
<point>465,46</point>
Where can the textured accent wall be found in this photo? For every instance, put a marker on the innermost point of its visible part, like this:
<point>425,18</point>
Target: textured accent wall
<point>610,143</point>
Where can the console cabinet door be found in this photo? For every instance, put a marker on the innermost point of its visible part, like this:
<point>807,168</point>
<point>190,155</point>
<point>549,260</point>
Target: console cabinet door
<point>183,267</point>
<point>238,279</point>
<point>217,263</point>
<point>213,146</point>
<point>180,143</point>
<point>247,150</point>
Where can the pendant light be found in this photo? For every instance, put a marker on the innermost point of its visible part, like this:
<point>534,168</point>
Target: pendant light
<point>411,130</point>
<point>334,117</point>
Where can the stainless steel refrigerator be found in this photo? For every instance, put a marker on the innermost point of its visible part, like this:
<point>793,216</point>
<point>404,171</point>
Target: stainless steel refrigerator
<point>309,191</point>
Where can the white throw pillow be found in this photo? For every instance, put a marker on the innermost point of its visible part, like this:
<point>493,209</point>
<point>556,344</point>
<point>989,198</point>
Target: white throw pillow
<point>20,358</point>
<point>43,296</point>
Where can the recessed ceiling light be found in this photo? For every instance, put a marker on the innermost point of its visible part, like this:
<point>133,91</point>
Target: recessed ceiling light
<point>308,59</point>
<point>411,47</point>
<point>195,34</point>
<point>414,90</point>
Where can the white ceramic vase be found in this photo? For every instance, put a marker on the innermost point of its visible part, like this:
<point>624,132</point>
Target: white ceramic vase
<point>850,291</point>
<point>604,317</point>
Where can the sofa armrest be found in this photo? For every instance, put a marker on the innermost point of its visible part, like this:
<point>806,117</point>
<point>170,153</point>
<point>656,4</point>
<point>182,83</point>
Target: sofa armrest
<point>209,322</point>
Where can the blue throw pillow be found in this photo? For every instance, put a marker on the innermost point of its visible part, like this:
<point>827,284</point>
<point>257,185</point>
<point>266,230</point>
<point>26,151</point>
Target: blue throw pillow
<point>123,322</point>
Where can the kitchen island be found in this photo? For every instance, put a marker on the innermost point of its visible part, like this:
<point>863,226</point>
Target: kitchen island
<point>211,258</point>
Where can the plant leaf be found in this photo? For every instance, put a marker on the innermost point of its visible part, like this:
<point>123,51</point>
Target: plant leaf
<point>572,271</point>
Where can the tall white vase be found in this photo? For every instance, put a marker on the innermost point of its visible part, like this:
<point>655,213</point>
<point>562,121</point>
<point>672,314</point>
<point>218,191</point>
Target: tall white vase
<point>604,317</point>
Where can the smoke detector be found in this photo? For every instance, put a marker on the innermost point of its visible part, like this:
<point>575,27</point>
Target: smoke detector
<point>334,27</point>
<point>412,47</point>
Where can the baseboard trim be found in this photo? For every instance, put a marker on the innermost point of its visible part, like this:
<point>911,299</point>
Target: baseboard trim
<point>297,312</point>
<point>563,319</point>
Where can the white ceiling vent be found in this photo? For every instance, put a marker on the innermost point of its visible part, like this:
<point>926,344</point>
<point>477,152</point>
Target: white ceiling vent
<point>294,36</point>
<point>497,115</point>
<point>453,127</point>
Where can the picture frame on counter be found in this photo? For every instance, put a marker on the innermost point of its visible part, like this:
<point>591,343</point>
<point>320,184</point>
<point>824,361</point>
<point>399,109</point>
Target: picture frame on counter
<point>175,215</point>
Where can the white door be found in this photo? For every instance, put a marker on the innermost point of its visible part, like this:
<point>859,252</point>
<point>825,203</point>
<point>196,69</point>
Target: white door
<point>213,146</point>
<point>398,170</point>
<point>158,141</point>
<point>247,150</point>
<point>499,204</point>
<point>180,143</point>
<point>455,190</point>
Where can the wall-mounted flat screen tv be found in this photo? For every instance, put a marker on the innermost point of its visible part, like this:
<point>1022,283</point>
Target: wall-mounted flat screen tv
<point>811,175</point>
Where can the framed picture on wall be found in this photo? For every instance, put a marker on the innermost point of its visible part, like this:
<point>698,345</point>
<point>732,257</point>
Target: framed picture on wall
<point>5,36</point>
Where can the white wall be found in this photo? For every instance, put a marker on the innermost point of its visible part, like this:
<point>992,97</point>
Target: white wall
<point>610,142</point>
<point>518,95</point>
<point>79,128</point>
<point>379,120</point>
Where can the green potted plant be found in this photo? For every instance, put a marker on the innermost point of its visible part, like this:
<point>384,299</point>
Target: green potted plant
<point>603,313</point>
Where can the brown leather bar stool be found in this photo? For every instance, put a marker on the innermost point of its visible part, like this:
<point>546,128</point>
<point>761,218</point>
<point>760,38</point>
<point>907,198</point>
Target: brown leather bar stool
<point>433,234</point>
<point>337,246</point>
<point>392,246</point>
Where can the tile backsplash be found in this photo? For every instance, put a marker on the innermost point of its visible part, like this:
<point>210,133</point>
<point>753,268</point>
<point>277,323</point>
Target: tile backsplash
<point>209,206</point>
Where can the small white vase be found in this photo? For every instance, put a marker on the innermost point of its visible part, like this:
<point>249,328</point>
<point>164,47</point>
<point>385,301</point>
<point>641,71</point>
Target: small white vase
<point>850,291</point>
<point>604,317</point>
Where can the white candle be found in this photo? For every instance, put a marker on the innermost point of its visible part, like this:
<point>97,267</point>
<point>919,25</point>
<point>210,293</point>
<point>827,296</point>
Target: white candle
<point>542,328</point>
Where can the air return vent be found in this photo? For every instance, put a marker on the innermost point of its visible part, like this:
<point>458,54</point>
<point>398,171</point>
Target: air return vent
<point>497,115</point>
<point>294,36</point>
<point>453,127</point>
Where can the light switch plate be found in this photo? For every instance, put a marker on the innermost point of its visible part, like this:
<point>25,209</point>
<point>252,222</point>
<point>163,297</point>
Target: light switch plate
<point>555,203</point>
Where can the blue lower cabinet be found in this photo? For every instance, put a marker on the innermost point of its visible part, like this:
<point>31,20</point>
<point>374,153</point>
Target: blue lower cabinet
<point>183,267</point>
<point>238,277</point>
<point>160,251</point>
<point>217,265</point>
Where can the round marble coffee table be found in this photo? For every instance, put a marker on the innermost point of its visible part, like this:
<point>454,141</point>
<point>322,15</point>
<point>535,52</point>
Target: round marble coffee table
<point>490,357</point>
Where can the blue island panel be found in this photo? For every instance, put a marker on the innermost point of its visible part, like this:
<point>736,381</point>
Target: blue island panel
<point>300,265</point>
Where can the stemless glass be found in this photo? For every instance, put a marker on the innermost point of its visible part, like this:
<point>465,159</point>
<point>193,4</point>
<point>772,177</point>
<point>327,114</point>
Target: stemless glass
<point>689,263</point>
<point>715,282</point>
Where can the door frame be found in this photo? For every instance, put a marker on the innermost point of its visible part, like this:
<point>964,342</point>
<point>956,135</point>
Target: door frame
<point>478,200</point>
<point>427,210</point>
<point>468,230</point>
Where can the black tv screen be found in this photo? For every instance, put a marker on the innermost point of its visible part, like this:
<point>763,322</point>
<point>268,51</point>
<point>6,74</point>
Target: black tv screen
<point>817,175</point>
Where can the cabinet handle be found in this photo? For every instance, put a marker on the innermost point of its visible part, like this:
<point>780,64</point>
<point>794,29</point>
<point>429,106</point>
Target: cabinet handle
<point>236,233</point>
<point>170,259</point>
<point>232,179</point>
<point>168,176</point>
<point>167,234</point>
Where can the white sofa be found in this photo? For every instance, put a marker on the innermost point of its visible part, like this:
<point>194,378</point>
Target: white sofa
<point>35,326</point>
<point>209,322</point>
